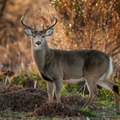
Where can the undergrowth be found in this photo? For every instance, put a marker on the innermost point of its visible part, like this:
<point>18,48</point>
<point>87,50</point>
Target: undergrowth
<point>103,103</point>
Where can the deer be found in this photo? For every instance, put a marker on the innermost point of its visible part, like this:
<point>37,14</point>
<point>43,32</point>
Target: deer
<point>68,66</point>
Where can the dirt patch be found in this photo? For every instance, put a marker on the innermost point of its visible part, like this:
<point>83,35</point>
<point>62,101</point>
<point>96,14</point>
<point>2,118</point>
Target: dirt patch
<point>23,99</point>
<point>30,99</point>
<point>55,109</point>
<point>74,100</point>
<point>8,88</point>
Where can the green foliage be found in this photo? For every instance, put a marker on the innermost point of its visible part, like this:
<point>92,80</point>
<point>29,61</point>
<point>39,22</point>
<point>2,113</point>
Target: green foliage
<point>42,84</point>
<point>87,113</point>
<point>118,113</point>
<point>69,89</point>
<point>103,102</point>
<point>19,79</point>
<point>10,115</point>
<point>106,104</point>
<point>104,94</point>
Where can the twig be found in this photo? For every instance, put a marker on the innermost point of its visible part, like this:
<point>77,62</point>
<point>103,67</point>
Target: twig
<point>115,53</point>
<point>111,52</point>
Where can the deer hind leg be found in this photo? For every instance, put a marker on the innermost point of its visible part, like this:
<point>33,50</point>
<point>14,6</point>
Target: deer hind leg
<point>113,88</point>
<point>58,85</point>
<point>50,91</point>
<point>91,85</point>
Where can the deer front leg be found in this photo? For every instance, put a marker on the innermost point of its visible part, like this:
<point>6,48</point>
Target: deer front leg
<point>50,91</point>
<point>58,85</point>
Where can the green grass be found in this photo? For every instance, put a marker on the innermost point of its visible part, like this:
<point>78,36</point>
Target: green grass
<point>104,103</point>
<point>10,115</point>
<point>87,113</point>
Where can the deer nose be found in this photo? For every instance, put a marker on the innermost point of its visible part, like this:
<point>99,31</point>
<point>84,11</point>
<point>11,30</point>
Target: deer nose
<point>38,42</point>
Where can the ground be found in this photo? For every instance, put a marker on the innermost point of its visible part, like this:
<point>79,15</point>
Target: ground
<point>29,103</point>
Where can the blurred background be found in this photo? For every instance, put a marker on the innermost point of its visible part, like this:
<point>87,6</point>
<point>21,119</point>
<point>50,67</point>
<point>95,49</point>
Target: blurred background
<point>82,24</point>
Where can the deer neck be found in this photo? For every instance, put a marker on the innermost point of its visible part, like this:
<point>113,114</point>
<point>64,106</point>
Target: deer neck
<point>41,55</point>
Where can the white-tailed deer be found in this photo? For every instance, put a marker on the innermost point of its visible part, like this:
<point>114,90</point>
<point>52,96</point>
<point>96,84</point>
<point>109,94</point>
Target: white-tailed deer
<point>58,66</point>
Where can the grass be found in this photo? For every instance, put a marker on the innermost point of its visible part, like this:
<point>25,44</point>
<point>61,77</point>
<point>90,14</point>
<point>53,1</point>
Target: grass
<point>104,105</point>
<point>101,113</point>
<point>10,115</point>
<point>87,113</point>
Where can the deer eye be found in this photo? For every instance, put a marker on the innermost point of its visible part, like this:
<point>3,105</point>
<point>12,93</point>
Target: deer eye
<point>43,36</point>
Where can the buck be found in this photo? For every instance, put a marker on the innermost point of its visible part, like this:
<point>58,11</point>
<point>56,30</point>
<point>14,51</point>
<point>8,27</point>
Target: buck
<point>59,66</point>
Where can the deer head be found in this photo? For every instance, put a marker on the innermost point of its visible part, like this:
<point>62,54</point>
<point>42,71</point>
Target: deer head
<point>39,36</point>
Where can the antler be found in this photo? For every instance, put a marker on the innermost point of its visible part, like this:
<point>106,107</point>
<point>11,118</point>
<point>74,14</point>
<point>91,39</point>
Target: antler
<point>42,23</point>
<point>53,21</point>
<point>22,21</point>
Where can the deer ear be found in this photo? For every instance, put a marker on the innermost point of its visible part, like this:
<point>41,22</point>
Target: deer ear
<point>28,31</point>
<point>49,32</point>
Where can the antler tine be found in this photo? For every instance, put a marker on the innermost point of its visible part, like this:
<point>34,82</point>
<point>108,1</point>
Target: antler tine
<point>22,21</point>
<point>53,21</point>
<point>42,23</point>
<point>34,23</point>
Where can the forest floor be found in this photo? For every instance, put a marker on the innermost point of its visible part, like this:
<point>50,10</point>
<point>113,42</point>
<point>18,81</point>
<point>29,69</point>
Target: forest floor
<point>18,103</point>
